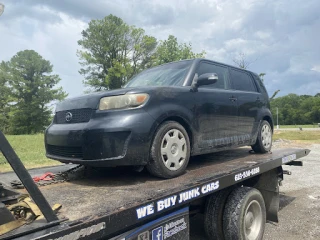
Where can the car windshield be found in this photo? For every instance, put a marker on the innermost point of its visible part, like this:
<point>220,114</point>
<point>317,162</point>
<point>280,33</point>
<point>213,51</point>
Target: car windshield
<point>172,74</point>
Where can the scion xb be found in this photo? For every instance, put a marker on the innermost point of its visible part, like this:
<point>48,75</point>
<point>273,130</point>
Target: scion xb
<point>163,116</point>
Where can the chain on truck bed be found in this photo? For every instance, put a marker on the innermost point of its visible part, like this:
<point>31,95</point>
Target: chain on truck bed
<point>75,173</point>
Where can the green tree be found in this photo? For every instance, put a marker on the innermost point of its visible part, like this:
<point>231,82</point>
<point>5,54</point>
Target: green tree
<point>295,109</point>
<point>5,99</point>
<point>143,48</point>
<point>170,50</point>
<point>32,87</point>
<point>261,75</point>
<point>112,51</point>
<point>274,94</point>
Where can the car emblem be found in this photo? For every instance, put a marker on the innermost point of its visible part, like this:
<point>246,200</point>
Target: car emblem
<point>68,116</point>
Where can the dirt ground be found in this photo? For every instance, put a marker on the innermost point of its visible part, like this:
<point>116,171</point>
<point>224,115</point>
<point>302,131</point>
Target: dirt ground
<point>299,215</point>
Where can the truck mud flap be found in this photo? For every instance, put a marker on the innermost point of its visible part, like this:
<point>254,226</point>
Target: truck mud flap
<point>268,184</point>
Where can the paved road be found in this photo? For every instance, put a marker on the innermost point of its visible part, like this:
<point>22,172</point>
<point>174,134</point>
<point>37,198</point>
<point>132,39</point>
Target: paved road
<point>298,129</point>
<point>299,216</point>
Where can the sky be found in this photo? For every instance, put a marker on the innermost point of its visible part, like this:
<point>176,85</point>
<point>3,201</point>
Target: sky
<point>280,38</point>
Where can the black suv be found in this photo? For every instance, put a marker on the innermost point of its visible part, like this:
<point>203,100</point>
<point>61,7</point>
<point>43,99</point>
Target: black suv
<point>163,116</point>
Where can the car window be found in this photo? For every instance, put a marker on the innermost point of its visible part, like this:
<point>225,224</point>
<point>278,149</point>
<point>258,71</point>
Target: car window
<point>221,71</point>
<point>242,81</point>
<point>172,74</point>
<point>260,83</point>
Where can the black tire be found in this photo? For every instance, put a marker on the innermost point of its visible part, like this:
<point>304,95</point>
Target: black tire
<point>263,144</point>
<point>156,165</point>
<point>245,215</point>
<point>213,214</point>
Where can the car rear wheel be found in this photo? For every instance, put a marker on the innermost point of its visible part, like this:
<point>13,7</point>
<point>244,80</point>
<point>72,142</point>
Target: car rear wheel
<point>170,151</point>
<point>264,139</point>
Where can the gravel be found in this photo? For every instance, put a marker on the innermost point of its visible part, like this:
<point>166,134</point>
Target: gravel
<point>299,216</point>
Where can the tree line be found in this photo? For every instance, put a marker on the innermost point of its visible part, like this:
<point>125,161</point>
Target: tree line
<point>111,52</point>
<point>294,109</point>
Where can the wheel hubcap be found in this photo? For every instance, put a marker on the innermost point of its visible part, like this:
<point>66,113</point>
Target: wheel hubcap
<point>253,220</point>
<point>173,149</point>
<point>249,219</point>
<point>266,136</point>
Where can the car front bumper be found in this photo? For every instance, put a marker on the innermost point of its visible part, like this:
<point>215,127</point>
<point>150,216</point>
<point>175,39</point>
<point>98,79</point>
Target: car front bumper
<point>111,138</point>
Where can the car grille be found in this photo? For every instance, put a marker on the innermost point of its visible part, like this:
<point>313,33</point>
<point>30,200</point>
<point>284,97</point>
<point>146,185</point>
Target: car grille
<point>69,152</point>
<point>75,116</point>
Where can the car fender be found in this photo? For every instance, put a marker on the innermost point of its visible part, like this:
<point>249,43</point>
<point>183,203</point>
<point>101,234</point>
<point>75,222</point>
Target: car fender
<point>174,112</point>
<point>265,113</point>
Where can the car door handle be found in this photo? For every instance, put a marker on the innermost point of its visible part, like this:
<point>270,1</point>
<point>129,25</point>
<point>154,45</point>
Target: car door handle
<point>233,99</point>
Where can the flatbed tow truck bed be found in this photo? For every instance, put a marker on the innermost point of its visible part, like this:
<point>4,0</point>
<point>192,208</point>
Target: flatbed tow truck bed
<point>109,202</point>
<point>117,189</point>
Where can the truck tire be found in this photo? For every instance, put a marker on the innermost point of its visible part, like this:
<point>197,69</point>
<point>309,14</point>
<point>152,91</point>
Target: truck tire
<point>213,214</point>
<point>263,143</point>
<point>170,151</point>
<point>244,216</point>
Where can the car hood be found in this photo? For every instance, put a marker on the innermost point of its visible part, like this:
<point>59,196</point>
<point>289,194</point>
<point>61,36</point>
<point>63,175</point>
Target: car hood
<point>88,100</point>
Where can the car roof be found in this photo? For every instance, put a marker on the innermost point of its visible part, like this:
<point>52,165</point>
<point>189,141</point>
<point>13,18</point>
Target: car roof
<point>196,60</point>
<point>213,61</point>
<point>206,59</point>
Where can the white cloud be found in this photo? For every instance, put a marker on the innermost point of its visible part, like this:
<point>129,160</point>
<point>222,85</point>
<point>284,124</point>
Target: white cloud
<point>54,41</point>
<point>316,68</point>
<point>282,35</point>
<point>263,35</point>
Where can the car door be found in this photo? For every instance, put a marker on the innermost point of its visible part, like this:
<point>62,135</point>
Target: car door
<point>248,100</point>
<point>216,112</point>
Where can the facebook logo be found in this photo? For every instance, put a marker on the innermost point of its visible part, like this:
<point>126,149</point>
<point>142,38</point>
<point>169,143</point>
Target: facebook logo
<point>157,233</point>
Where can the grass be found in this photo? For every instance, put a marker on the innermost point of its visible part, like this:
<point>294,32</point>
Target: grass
<point>30,149</point>
<point>299,136</point>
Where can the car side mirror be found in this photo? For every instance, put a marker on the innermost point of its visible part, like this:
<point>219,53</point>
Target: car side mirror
<point>205,79</point>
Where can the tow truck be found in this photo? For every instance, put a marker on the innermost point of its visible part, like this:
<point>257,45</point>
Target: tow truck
<point>236,190</point>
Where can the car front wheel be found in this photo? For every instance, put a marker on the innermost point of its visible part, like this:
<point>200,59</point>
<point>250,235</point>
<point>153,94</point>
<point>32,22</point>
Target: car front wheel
<point>170,151</point>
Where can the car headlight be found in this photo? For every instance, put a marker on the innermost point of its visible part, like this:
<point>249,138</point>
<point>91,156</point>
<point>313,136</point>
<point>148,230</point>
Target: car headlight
<point>123,101</point>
